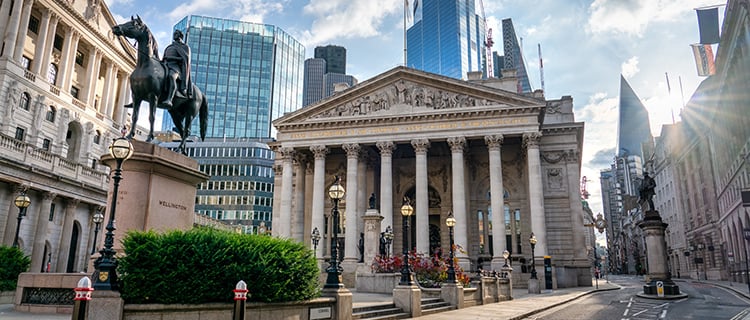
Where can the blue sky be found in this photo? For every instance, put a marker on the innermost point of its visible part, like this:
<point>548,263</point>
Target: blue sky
<point>586,45</point>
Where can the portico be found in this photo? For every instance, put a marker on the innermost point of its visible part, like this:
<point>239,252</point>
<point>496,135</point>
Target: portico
<point>464,147</point>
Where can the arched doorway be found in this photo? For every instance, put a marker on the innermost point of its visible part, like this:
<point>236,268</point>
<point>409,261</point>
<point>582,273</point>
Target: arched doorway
<point>434,203</point>
<point>75,234</point>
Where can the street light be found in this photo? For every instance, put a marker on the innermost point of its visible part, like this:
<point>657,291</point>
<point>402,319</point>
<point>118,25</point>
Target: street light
<point>406,212</point>
<point>105,276</point>
<point>22,202</point>
<point>451,222</point>
<point>505,267</point>
<point>336,192</point>
<point>388,240</point>
<point>532,241</point>
<point>315,239</point>
<point>98,218</point>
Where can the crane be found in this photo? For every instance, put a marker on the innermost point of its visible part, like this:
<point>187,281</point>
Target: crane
<point>487,44</point>
<point>584,192</point>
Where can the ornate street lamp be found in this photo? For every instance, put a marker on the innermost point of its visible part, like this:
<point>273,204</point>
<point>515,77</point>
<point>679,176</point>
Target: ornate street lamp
<point>336,192</point>
<point>105,276</point>
<point>532,241</point>
<point>22,202</point>
<point>506,254</point>
<point>98,218</point>
<point>388,240</point>
<point>451,222</point>
<point>315,239</point>
<point>406,212</point>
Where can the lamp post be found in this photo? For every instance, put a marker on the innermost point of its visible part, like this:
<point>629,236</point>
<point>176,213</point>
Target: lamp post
<point>505,267</point>
<point>336,192</point>
<point>532,241</point>
<point>105,276</point>
<point>98,218</point>
<point>22,202</point>
<point>451,222</point>
<point>406,212</point>
<point>388,240</point>
<point>315,239</point>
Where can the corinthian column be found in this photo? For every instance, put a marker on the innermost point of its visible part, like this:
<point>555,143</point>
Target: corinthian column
<point>283,227</point>
<point>459,195</point>
<point>536,197</point>
<point>386,183</point>
<point>319,193</point>
<point>422,204</point>
<point>351,233</point>
<point>494,144</point>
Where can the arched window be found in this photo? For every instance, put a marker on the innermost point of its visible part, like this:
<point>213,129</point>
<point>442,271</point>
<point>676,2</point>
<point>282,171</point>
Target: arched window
<point>97,137</point>
<point>52,74</point>
<point>51,113</point>
<point>25,101</point>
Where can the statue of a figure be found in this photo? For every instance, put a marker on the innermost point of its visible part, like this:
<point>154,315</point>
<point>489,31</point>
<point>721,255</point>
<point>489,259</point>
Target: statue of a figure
<point>383,245</point>
<point>177,59</point>
<point>372,201</point>
<point>646,191</point>
<point>361,247</point>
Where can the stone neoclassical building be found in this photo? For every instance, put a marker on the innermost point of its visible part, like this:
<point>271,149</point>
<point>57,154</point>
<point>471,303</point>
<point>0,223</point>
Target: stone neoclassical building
<point>63,83</point>
<point>475,148</point>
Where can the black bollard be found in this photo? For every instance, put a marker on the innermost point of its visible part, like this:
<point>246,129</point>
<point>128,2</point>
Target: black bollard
<point>240,296</point>
<point>83,295</point>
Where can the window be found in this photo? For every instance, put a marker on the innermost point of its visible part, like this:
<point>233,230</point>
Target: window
<point>74,91</point>
<point>93,164</point>
<point>25,101</point>
<point>46,144</point>
<point>58,42</point>
<point>51,113</point>
<point>52,73</point>
<point>97,137</point>
<point>34,24</point>
<point>26,62</point>
<point>20,133</point>
<point>51,212</point>
<point>79,58</point>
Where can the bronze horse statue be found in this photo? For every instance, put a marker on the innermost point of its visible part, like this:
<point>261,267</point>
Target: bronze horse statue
<point>147,83</point>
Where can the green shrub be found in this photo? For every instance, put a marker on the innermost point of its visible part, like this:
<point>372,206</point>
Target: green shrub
<point>204,265</point>
<point>12,263</point>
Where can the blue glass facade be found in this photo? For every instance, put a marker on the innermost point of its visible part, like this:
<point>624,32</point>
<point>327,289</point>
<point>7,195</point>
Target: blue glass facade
<point>513,59</point>
<point>633,127</point>
<point>446,38</point>
<point>251,74</point>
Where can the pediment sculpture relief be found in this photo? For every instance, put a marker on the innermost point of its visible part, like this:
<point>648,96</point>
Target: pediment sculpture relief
<point>403,93</point>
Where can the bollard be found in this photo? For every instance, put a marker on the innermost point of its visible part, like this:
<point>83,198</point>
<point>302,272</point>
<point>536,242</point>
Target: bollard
<point>240,296</point>
<point>83,295</point>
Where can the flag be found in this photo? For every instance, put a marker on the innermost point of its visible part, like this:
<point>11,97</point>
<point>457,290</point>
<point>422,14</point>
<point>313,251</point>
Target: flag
<point>708,25</point>
<point>416,6</point>
<point>407,12</point>
<point>704,59</point>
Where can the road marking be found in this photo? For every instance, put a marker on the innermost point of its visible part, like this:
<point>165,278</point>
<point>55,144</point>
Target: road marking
<point>661,305</point>
<point>639,312</point>
<point>631,302</point>
<point>663,314</point>
<point>626,312</point>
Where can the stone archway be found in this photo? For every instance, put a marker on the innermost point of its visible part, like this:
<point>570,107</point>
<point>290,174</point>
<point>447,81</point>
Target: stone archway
<point>74,239</point>
<point>434,201</point>
<point>73,138</point>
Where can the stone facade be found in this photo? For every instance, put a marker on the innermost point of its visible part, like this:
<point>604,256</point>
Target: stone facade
<point>451,146</point>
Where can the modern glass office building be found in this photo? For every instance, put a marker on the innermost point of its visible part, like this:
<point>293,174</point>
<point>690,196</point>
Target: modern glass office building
<point>251,74</point>
<point>335,57</point>
<point>446,38</point>
<point>633,127</point>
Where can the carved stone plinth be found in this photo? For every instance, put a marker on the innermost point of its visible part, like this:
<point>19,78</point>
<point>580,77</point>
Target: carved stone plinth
<point>659,283</point>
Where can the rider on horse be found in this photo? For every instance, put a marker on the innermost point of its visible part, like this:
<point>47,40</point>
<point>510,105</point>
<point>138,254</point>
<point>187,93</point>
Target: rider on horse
<point>177,60</point>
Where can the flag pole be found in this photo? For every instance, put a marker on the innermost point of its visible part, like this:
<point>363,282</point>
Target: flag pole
<point>669,94</point>
<point>406,9</point>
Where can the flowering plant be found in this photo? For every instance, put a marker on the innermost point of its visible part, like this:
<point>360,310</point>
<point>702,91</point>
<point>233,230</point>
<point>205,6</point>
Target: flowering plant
<point>429,271</point>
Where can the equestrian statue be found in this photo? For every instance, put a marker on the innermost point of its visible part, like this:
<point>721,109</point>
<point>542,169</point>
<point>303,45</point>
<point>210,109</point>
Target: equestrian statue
<point>163,83</point>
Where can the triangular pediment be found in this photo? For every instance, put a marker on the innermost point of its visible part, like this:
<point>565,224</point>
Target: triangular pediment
<point>404,92</point>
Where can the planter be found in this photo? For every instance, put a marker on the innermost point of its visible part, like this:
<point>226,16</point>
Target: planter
<point>377,282</point>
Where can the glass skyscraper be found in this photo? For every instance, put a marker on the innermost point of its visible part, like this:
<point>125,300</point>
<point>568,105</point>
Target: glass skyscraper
<point>446,38</point>
<point>251,74</point>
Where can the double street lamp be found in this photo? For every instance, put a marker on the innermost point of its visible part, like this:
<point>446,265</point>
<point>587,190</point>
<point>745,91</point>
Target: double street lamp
<point>98,218</point>
<point>336,192</point>
<point>105,276</point>
<point>532,241</point>
<point>315,239</point>
<point>451,222</point>
<point>22,202</point>
<point>406,211</point>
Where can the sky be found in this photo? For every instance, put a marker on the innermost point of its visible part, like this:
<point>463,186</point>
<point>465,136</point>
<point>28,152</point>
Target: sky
<point>586,46</point>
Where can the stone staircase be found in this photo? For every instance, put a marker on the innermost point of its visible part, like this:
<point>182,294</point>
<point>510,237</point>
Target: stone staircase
<point>390,311</point>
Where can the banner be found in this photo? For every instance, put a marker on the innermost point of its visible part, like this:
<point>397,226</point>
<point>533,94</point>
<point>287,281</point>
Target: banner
<point>704,59</point>
<point>708,23</point>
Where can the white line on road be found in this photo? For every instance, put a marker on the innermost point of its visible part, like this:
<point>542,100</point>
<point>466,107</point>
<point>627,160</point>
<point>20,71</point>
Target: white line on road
<point>639,312</point>
<point>631,302</point>
<point>663,314</point>
<point>661,305</point>
<point>626,312</point>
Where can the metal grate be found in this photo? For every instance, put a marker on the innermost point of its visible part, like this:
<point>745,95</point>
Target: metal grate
<point>48,296</point>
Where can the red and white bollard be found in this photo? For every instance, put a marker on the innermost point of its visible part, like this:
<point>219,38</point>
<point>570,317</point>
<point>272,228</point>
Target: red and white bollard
<point>240,296</point>
<point>83,295</point>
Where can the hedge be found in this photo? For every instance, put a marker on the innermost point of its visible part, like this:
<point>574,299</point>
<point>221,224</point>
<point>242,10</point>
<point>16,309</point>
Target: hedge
<point>203,265</point>
<point>12,263</point>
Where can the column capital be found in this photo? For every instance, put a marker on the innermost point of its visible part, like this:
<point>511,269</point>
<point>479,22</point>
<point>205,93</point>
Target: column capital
<point>494,142</point>
<point>531,139</point>
<point>420,145</point>
<point>386,148</point>
<point>301,158</point>
<point>319,151</point>
<point>49,196</point>
<point>457,144</point>
<point>277,169</point>
<point>352,149</point>
<point>73,203</point>
<point>286,153</point>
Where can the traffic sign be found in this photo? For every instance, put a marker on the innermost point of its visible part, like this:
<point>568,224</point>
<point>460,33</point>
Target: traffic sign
<point>660,288</point>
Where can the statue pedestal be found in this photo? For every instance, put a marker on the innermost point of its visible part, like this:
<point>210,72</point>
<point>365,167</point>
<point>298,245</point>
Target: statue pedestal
<point>659,283</point>
<point>157,191</point>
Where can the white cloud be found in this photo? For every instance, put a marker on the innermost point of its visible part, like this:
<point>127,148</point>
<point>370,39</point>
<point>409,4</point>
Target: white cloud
<point>629,68</point>
<point>337,19</point>
<point>632,17</point>
<point>245,10</point>
<point>600,115</point>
